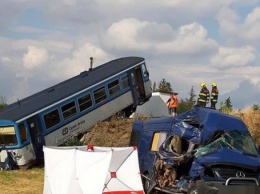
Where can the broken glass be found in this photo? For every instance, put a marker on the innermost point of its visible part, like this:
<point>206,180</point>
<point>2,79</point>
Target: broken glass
<point>232,140</point>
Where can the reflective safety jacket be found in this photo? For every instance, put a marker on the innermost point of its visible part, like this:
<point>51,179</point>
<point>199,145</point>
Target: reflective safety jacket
<point>204,95</point>
<point>173,102</point>
<point>214,94</point>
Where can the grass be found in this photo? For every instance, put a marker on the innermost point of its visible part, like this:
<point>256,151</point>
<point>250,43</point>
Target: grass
<point>22,181</point>
<point>113,133</point>
<point>252,120</point>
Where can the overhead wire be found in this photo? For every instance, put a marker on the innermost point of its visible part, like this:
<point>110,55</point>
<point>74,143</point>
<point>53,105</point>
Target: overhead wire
<point>186,69</point>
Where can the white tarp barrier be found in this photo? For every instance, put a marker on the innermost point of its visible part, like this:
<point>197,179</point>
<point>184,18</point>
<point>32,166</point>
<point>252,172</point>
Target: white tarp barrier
<point>74,170</point>
<point>124,173</point>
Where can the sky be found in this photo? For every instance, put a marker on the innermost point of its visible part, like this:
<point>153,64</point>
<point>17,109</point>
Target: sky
<point>184,42</point>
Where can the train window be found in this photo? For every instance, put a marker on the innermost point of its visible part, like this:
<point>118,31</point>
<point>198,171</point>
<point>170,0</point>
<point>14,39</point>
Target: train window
<point>125,81</point>
<point>69,110</point>
<point>7,135</point>
<point>113,87</point>
<point>145,72</point>
<point>51,119</point>
<point>23,132</point>
<point>84,102</point>
<point>100,94</point>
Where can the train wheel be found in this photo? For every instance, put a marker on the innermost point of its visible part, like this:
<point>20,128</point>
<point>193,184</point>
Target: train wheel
<point>119,115</point>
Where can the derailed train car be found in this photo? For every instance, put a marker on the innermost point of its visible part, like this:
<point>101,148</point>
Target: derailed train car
<point>70,108</point>
<point>199,151</point>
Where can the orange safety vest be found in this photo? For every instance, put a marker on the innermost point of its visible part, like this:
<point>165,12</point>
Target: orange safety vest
<point>173,102</point>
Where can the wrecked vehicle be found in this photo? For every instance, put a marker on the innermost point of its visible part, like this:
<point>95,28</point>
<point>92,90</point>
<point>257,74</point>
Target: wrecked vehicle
<point>196,152</point>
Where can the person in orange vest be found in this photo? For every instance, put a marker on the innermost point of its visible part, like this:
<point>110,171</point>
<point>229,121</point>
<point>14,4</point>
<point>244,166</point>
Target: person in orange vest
<point>168,104</point>
<point>203,95</point>
<point>214,95</point>
<point>173,104</point>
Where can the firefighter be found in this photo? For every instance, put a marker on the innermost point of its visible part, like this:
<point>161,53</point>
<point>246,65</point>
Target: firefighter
<point>214,95</point>
<point>203,95</point>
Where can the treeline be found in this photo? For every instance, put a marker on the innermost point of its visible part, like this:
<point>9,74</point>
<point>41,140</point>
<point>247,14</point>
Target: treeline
<point>2,102</point>
<point>189,102</point>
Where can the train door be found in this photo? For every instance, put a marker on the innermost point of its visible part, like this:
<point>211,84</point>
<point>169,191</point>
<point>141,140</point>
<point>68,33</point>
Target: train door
<point>37,137</point>
<point>137,84</point>
<point>134,87</point>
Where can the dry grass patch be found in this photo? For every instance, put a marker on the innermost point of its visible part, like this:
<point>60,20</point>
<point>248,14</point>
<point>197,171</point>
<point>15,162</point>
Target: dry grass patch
<point>22,181</point>
<point>252,120</point>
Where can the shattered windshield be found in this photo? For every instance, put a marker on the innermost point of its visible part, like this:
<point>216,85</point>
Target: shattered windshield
<point>7,135</point>
<point>232,140</point>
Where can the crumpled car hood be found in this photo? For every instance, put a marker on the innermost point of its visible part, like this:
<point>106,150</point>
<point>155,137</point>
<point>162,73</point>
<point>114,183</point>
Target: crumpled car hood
<point>230,156</point>
<point>224,157</point>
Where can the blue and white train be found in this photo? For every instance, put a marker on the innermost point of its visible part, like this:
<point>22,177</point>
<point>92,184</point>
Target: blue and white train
<point>50,117</point>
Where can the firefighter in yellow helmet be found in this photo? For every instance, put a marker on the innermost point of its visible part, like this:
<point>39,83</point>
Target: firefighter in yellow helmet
<point>214,95</point>
<point>203,95</point>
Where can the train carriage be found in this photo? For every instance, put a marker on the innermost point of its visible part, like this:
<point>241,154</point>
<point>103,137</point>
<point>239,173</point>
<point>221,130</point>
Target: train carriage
<point>50,117</point>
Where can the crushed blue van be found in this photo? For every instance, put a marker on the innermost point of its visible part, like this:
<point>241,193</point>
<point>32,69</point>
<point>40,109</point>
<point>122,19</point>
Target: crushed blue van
<point>201,151</point>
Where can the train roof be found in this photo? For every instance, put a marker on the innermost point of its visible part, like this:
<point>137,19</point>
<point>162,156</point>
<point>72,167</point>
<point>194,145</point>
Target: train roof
<point>44,98</point>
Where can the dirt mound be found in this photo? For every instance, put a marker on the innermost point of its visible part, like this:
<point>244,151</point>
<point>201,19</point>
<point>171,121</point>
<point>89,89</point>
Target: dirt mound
<point>114,133</point>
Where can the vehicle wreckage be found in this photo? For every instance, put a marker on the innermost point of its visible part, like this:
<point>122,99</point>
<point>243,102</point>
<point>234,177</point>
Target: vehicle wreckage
<point>197,152</point>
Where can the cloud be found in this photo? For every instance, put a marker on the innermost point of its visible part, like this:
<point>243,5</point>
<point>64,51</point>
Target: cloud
<point>238,31</point>
<point>252,25</point>
<point>231,56</point>
<point>5,59</point>
<point>182,41</point>
<point>27,29</point>
<point>35,57</point>
<point>191,39</point>
<point>228,21</point>
<point>79,60</point>
<point>132,34</point>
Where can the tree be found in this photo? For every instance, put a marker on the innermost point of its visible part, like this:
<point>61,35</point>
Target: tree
<point>183,106</point>
<point>226,106</point>
<point>2,102</point>
<point>255,107</point>
<point>188,103</point>
<point>164,86</point>
<point>192,95</point>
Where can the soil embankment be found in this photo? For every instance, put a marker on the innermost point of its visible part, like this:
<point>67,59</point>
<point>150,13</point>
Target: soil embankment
<point>114,133</point>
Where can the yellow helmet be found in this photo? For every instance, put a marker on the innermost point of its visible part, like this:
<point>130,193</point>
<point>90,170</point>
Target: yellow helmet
<point>202,84</point>
<point>214,84</point>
